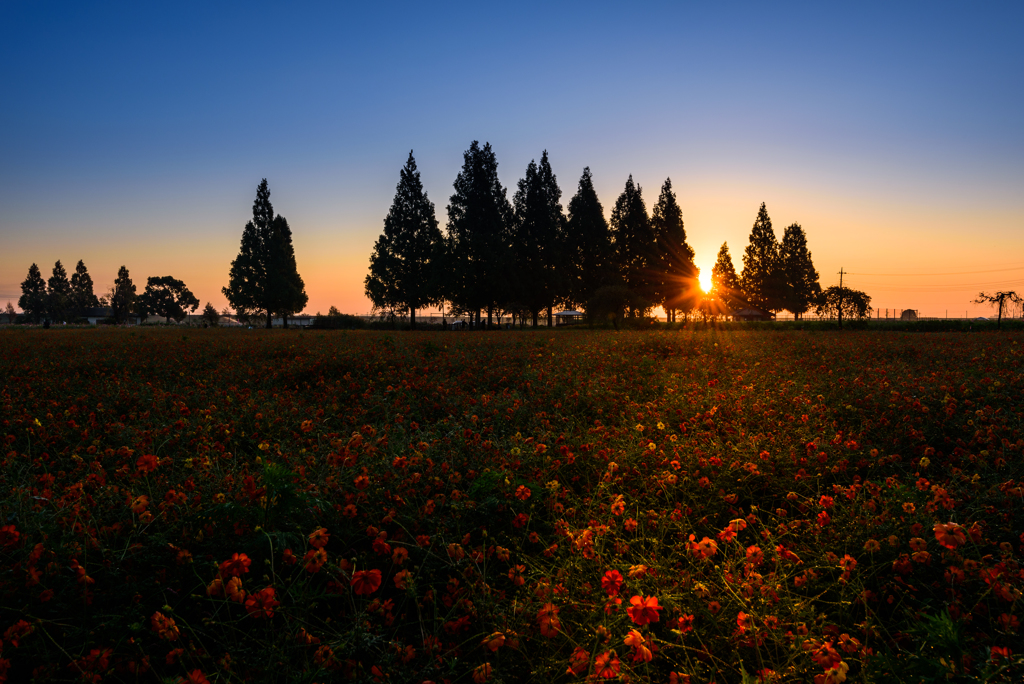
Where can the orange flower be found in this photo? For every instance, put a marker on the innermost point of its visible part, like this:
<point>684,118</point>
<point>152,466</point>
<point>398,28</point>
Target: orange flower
<point>234,590</point>
<point>950,535</point>
<point>365,582</point>
<point>140,504</point>
<point>523,493</point>
<point>579,662</point>
<point>643,611</point>
<point>618,506</point>
<point>164,626</point>
<point>634,639</point>
<point>147,463</point>
<point>547,619</point>
<point>494,642</point>
<point>402,578</point>
<point>215,588</point>
<point>482,673</point>
<point>641,653</point>
<point>236,566</point>
<point>399,556</point>
<point>606,666</point>
<point>743,622</point>
<point>315,560</point>
<point>612,582</point>
<point>261,604</point>
<point>685,623</point>
<point>197,677</point>
<point>318,539</point>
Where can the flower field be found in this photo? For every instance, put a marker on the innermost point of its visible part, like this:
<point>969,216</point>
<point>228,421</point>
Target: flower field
<point>567,506</point>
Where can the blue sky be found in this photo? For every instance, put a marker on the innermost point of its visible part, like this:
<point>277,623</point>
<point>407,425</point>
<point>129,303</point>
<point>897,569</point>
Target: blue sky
<point>136,133</point>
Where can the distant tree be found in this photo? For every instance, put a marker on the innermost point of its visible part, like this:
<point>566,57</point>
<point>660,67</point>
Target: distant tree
<point>801,289</point>
<point>678,288</point>
<point>536,236</point>
<point>635,246</point>
<point>333,311</point>
<point>588,255</point>
<point>33,295</point>
<point>82,295</point>
<point>10,313</point>
<point>609,303</point>
<point>479,217</point>
<point>123,297</point>
<point>58,293</point>
<point>404,266</point>
<point>762,278</point>
<point>725,295</point>
<point>167,297</point>
<point>210,315</point>
<point>852,303</point>
<point>264,280</point>
<point>1000,300</point>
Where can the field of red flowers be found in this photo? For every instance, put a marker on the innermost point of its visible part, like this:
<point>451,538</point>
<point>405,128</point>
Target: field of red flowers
<point>568,506</point>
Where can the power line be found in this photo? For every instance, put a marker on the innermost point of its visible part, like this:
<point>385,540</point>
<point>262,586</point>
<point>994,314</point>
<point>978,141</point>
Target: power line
<point>993,270</point>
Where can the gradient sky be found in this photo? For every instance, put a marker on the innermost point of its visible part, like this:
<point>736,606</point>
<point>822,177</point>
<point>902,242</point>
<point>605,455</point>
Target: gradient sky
<point>136,133</point>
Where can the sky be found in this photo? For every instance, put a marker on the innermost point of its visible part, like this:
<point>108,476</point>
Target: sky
<point>136,133</point>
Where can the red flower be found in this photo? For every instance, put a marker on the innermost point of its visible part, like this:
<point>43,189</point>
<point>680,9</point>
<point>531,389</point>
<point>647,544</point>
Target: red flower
<point>685,623</point>
<point>318,539</point>
<point>236,566</point>
<point>365,582</point>
<point>197,677</point>
<point>606,666</point>
<point>612,582</point>
<point>950,535</point>
<point>261,604</point>
<point>147,463</point>
<point>643,611</point>
<point>547,619</point>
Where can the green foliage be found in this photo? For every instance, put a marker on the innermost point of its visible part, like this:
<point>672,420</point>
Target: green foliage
<point>851,303</point>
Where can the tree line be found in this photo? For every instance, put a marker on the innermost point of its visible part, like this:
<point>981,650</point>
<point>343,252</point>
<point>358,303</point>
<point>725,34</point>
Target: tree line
<point>522,257</point>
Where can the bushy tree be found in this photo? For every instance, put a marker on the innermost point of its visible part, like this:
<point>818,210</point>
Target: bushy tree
<point>479,217</point>
<point>210,315</point>
<point>9,312</point>
<point>536,237</point>
<point>801,289</point>
<point>58,293</point>
<point>635,246</point>
<point>588,255</point>
<point>726,294</point>
<point>404,267</point>
<point>264,279</point>
<point>33,295</point>
<point>123,297</point>
<point>843,302</point>
<point>82,295</point>
<point>167,297</point>
<point>676,274</point>
<point>762,275</point>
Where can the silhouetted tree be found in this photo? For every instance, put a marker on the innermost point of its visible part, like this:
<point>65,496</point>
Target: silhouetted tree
<point>210,315</point>
<point>168,297</point>
<point>762,278</point>
<point>58,293</point>
<point>676,273</point>
<point>264,279</point>
<point>537,232</point>
<point>587,252</point>
<point>33,295</point>
<point>635,246</point>
<point>287,289</point>
<point>725,295</point>
<point>82,295</point>
<point>333,311</point>
<point>801,289</point>
<point>406,258</point>
<point>998,299</point>
<point>123,297</point>
<point>479,217</point>
<point>9,313</point>
<point>852,303</point>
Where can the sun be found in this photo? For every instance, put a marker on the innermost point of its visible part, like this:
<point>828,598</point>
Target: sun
<point>705,279</point>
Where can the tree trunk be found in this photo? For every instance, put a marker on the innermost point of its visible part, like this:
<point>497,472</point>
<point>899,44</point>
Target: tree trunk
<point>284,321</point>
<point>412,318</point>
<point>550,317</point>
<point>270,320</point>
<point>536,315</point>
<point>490,315</point>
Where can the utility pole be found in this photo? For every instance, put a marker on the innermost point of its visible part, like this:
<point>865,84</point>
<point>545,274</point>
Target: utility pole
<point>840,298</point>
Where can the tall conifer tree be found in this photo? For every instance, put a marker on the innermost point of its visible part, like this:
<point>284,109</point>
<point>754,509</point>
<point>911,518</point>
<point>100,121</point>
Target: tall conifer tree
<point>58,293</point>
<point>762,277</point>
<point>286,288</point>
<point>588,255</point>
<point>479,219</point>
<point>33,295</point>
<point>123,297</point>
<point>635,245</point>
<point>404,266</point>
<point>82,295</point>
<point>802,289</point>
<point>536,238</point>
<point>725,284</point>
<point>676,273</point>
